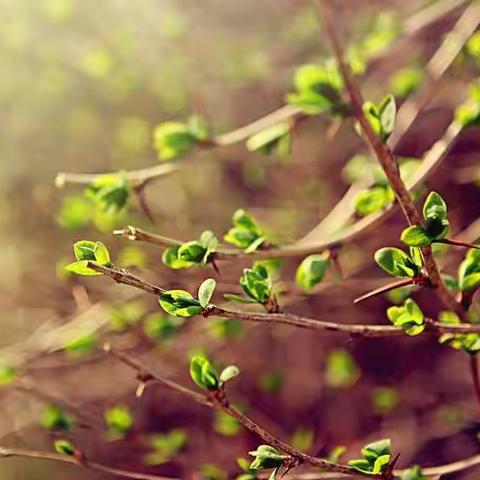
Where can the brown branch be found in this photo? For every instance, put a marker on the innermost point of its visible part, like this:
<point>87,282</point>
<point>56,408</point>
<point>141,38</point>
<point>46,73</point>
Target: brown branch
<point>386,159</point>
<point>79,461</point>
<point>457,243</point>
<point>217,399</point>
<point>385,289</point>
<point>122,276</point>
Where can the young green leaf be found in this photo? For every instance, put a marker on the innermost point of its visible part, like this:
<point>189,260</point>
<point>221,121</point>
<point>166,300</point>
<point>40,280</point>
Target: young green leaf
<point>381,117</point>
<point>205,292</point>
<point>413,473</point>
<point>373,200</point>
<point>109,193</point>
<point>245,233</point>
<point>312,270</point>
<point>469,271</point>
<point>203,373</point>
<point>228,373</point>
<point>266,457</point>
<point>396,262</point>
<point>270,139</point>
<point>172,139</point>
<point>409,317</point>
<point>81,268</point>
<point>170,258</point>
<point>435,215</point>
<point>54,418</point>
<point>415,236</point>
<point>64,447</point>
<point>256,283</point>
<point>118,419</point>
<point>180,303</point>
<point>376,456</point>
<point>468,342</point>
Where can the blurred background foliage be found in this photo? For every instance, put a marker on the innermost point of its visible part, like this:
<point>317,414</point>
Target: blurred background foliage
<point>84,85</point>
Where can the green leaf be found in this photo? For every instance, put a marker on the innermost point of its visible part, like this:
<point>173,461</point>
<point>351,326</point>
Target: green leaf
<point>266,457</point>
<point>245,233</point>
<point>226,425</point>
<point>102,255</point>
<point>75,212</point>
<point>170,258</point>
<point>376,456</point>
<point>388,111</point>
<point>256,283</point>
<point>415,236</point>
<point>8,374</point>
<point>342,371</point>
<point>193,252</point>
<point>54,418</point>
<point>81,268</point>
<point>85,250</point>
<point>172,139</point>
<point>118,419</point>
<point>165,446</point>
<point>396,262</point>
<point>409,317</point>
<point>434,205</point>
<point>203,373</point>
<point>469,271</point>
<point>228,373</point>
<point>180,303</point>
<point>373,200</point>
<point>64,447</point>
<point>406,81</point>
<point>110,193</point>
<point>413,473</point>
<point>469,343</point>
<point>312,271</point>
<point>205,291</point>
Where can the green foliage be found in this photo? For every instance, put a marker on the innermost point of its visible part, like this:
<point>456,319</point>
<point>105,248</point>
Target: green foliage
<point>225,328</point>
<point>172,139</point>
<point>406,81</point>
<point>373,200</point>
<point>54,418</point>
<point>64,447</point>
<point>228,373</point>
<point>468,113</point>
<point>119,421</point>
<point>256,283</point>
<point>123,316</point>
<point>468,342</point>
<point>132,256</point>
<point>8,374</point>
<point>209,471</point>
<point>384,400</point>
<point>87,251</point>
<point>376,456</point>
<point>302,439</point>
<point>203,373</point>
<point>318,89</point>
<point>409,317</point>
<point>413,473</point>
<point>191,253</point>
<point>381,117</point>
<point>161,327</point>
<point>225,424</point>
<point>180,303</point>
<point>245,233</point>
<point>205,291</point>
<point>109,193</point>
<point>75,212</point>
<point>469,271</point>
<point>165,446</point>
<point>436,223</point>
<point>275,138</point>
<point>312,270</point>
<point>398,263</point>
<point>341,371</point>
<point>266,457</point>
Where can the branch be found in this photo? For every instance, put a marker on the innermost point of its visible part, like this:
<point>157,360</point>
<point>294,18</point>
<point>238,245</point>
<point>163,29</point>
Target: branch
<point>79,461</point>
<point>387,161</point>
<point>122,276</point>
<point>217,399</point>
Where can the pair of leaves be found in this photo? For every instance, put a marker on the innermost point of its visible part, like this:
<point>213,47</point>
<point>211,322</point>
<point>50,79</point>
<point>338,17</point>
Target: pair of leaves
<point>87,251</point>
<point>172,139</point>
<point>275,138</point>
<point>312,271</point>
<point>245,233</point>
<point>256,283</point>
<point>398,263</point>
<point>266,457</point>
<point>109,192</point>
<point>376,456</point>
<point>205,376</point>
<point>381,117</point>
<point>182,304</point>
<point>436,223</point>
<point>469,271</point>
<point>409,317</point>
<point>468,342</point>
<point>196,252</point>
<point>318,89</point>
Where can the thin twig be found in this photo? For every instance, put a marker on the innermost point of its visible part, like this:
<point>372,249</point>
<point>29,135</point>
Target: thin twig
<point>79,462</point>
